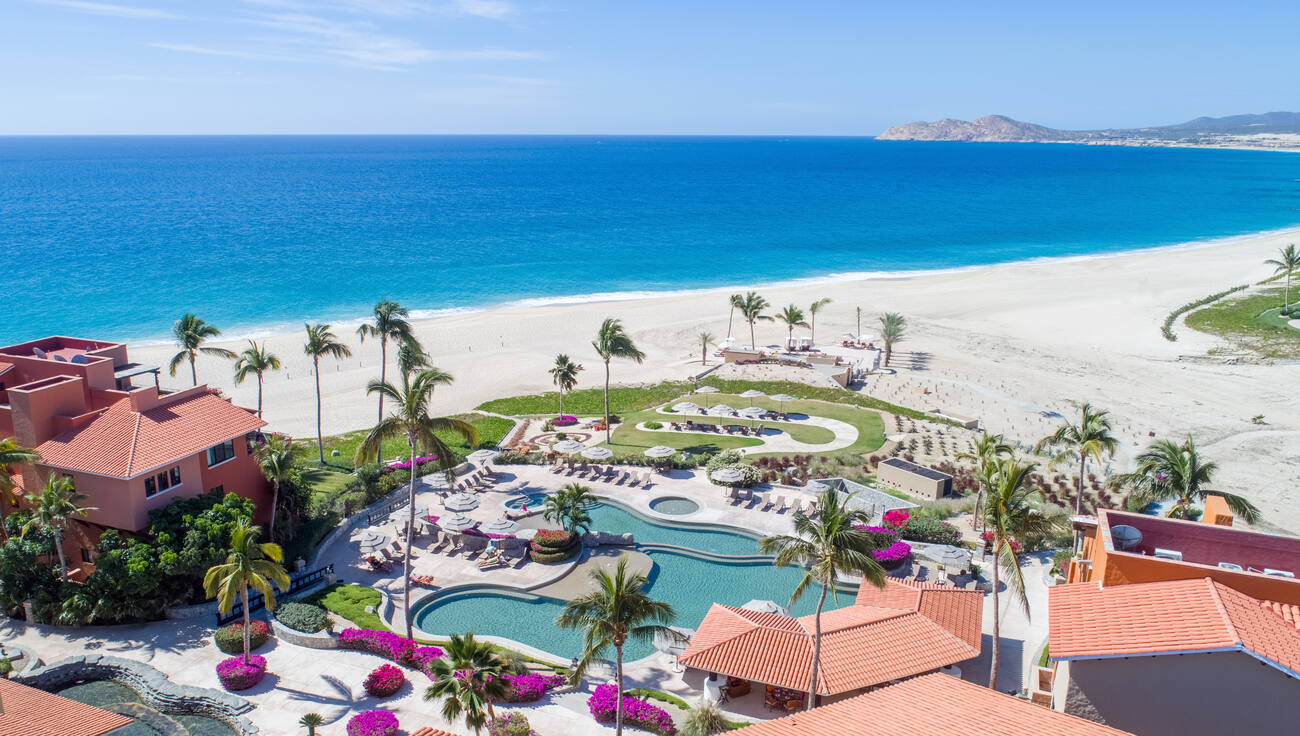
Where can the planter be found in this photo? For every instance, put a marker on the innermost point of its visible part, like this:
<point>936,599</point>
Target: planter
<point>235,675</point>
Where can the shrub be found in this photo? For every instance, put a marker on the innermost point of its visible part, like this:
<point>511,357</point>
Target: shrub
<point>529,687</point>
<point>549,540</point>
<point>512,724</point>
<point>897,518</point>
<point>373,723</point>
<point>392,646</point>
<point>639,713</point>
<point>893,555</point>
<point>565,420</point>
<point>384,680</point>
<point>230,639</point>
<point>303,617</point>
<point>235,675</point>
<point>930,532</point>
<point>654,425</point>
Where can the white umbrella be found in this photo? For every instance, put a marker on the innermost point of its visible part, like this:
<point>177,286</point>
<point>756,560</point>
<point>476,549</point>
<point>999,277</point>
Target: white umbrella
<point>751,395</point>
<point>372,540</point>
<point>722,410</point>
<point>728,474</point>
<point>568,447</point>
<point>462,502</point>
<point>673,645</point>
<point>706,390</point>
<point>765,607</point>
<point>849,336</point>
<point>660,451</point>
<point>597,453</point>
<point>686,407</point>
<point>949,556</point>
<point>752,412</point>
<point>501,526</point>
<point>479,457</point>
<point>526,533</point>
<point>456,523</point>
<point>782,398</point>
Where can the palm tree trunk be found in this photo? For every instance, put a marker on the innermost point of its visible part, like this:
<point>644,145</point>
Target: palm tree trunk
<point>320,440</point>
<point>812,329</point>
<point>817,652</point>
<point>606,400</point>
<point>194,372</point>
<point>492,715</point>
<point>248,644</point>
<point>259,395</point>
<point>859,323</point>
<point>730,316</point>
<point>1078,501</point>
<point>1286,298</point>
<point>561,401</point>
<point>383,378</point>
<point>997,621</point>
<point>275,499</point>
<point>753,344</point>
<point>889,351</point>
<point>618,699</point>
<point>58,545</point>
<point>410,529</point>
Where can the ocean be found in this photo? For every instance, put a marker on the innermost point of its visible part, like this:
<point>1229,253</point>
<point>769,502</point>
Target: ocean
<point>116,237</point>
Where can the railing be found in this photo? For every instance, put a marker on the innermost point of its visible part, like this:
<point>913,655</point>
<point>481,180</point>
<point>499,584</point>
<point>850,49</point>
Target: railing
<point>383,512</point>
<point>257,601</point>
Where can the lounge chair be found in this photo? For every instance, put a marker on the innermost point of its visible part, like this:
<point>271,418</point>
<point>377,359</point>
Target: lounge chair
<point>796,506</point>
<point>378,565</point>
<point>779,504</point>
<point>492,559</point>
<point>623,477</point>
<point>488,469</point>
<point>424,580</point>
<point>636,480</point>
<point>647,481</point>
<point>811,509</point>
<point>557,467</point>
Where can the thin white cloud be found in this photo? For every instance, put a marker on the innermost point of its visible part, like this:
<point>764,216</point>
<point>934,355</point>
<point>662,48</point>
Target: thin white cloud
<point>386,8</point>
<point>493,9</point>
<point>230,53</point>
<point>117,11</point>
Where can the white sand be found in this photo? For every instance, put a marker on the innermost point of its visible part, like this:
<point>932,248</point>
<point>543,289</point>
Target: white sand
<point>1002,343</point>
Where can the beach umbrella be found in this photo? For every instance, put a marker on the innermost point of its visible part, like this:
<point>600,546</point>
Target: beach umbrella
<point>948,556</point>
<point>660,451</point>
<point>568,447</point>
<point>598,453</point>
<point>524,533</point>
<point>706,390</point>
<point>782,398</point>
<point>815,487</point>
<point>752,412</point>
<point>729,474</point>
<point>722,410</point>
<point>765,607</point>
<point>501,526</point>
<point>686,407</point>
<point>372,541</point>
<point>751,395</point>
<point>456,523</point>
<point>462,502</point>
<point>480,457</point>
<point>849,336</point>
<point>673,645</point>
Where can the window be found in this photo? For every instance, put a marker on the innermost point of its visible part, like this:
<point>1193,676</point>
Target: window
<point>221,453</point>
<point>175,474</point>
<point>150,487</point>
<point>169,478</point>
<point>85,555</point>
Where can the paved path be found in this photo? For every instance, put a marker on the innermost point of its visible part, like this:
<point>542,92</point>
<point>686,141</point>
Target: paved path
<point>845,434</point>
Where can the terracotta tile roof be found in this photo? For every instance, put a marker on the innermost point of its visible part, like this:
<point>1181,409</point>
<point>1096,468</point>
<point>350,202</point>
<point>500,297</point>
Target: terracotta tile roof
<point>862,645</point>
<point>955,609</point>
<point>426,731</point>
<point>124,443</point>
<point>1086,621</point>
<point>931,705</point>
<point>33,712</point>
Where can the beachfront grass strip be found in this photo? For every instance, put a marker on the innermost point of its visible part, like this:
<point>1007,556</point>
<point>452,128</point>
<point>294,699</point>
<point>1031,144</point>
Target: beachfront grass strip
<point>806,433</point>
<point>588,402</point>
<point>1251,322</point>
<point>1167,329</point>
<point>490,432</point>
<point>820,393</point>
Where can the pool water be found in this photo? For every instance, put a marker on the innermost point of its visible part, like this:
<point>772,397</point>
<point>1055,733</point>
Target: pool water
<point>533,500</point>
<point>102,693</point>
<point>608,517</point>
<point>674,506</point>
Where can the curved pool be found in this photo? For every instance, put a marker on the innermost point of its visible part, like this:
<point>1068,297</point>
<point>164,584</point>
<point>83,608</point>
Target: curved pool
<point>532,500</point>
<point>674,506</point>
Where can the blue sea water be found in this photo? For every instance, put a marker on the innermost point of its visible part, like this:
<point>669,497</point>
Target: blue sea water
<point>116,237</point>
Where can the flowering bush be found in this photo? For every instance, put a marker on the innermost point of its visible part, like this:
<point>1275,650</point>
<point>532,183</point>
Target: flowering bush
<point>513,724</point>
<point>893,554</point>
<point>373,723</point>
<point>988,537</point>
<point>230,639</point>
<point>930,532</point>
<point>551,539</point>
<point>393,646</point>
<point>897,518</point>
<point>406,464</point>
<point>564,420</point>
<point>235,675</point>
<point>530,687</point>
<point>639,713</point>
<point>384,680</point>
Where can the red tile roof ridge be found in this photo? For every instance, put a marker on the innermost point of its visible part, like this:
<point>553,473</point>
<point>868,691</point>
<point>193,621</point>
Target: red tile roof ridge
<point>1223,611</point>
<point>135,440</point>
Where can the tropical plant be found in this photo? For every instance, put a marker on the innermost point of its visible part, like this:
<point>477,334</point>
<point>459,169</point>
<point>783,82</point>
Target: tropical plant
<point>58,503</point>
<point>989,450</point>
<point>1170,471</point>
<point>255,360</point>
<point>1288,260</point>
<point>411,420</point>
<point>892,330</point>
<point>248,563</point>
<point>813,309</point>
<point>564,374</point>
<point>751,307</point>
<point>613,342</point>
<point>1011,514</point>
<point>792,317</point>
<point>11,456</point>
<point>310,722</point>
<point>190,333</point>
<point>568,507</point>
<point>735,301</point>
<point>281,463</point>
<point>858,311</point>
<point>469,679</point>
<point>704,719</point>
<point>322,343</point>
<point>616,610</point>
<point>388,323</point>
<point>706,339</point>
<point>1090,438</point>
<point>828,547</point>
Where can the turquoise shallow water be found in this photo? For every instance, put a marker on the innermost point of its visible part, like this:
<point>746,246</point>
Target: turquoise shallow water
<point>116,237</point>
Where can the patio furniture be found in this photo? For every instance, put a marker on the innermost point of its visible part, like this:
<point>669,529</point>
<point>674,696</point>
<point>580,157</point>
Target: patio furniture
<point>737,687</point>
<point>796,506</point>
<point>488,469</point>
<point>491,559</point>
<point>647,480</point>
<point>423,580</point>
<point>636,480</point>
<point>377,564</point>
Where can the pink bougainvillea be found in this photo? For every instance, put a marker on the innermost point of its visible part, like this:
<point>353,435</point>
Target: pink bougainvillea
<point>636,712</point>
<point>373,723</point>
<point>393,646</point>
<point>234,674</point>
<point>897,518</point>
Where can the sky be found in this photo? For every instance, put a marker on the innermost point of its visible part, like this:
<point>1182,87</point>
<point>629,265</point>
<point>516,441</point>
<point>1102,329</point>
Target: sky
<point>750,67</point>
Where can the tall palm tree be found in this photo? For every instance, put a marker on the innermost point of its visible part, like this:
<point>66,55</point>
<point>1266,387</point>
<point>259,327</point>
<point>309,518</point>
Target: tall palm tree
<point>990,449</point>
<point>813,309</point>
<point>1288,260</point>
<point>58,503</point>
<point>751,307</point>
<point>1090,438</point>
<point>892,330</point>
<point>322,343</point>
<point>618,609</point>
<point>11,456</point>
<point>1011,515</point>
<point>735,301</point>
<point>281,462</point>
<point>248,563</point>
<point>858,310</point>
<point>828,547</point>
<point>389,323</point>
<point>706,339</point>
<point>469,677</point>
<point>564,374</point>
<point>568,507</point>
<point>411,420</point>
<point>793,317</point>
<point>613,342</point>
<point>256,360</point>
<point>1169,471</point>
<point>190,333</point>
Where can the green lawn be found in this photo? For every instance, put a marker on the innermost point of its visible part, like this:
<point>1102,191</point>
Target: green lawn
<point>588,402</point>
<point>1252,322</point>
<point>350,602</point>
<point>490,432</point>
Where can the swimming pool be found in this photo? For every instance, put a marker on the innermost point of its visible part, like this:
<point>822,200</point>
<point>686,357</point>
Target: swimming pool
<point>616,519</point>
<point>533,500</point>
<point>673,506</point>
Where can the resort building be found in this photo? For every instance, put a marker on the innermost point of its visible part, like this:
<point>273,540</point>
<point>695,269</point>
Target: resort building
<point>31,712</point>
<point>906,629</point>
<point>1186,657</point>
<point>931,705</point>
<point>913,479</point>
<point>129,449</point>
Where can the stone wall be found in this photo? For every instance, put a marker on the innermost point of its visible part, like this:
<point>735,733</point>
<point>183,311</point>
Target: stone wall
<point>319,640</point>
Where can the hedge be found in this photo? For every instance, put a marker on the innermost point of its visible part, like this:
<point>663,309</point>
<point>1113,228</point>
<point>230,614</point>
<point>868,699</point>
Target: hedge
<point>303,617</point>
<point>230,639</point>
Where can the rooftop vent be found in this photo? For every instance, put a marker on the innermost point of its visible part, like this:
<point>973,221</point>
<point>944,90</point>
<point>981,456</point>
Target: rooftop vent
<point>1231,566</point>
<point>1168,554</point>
<point>1279,573</point>
<point>1125,537</point>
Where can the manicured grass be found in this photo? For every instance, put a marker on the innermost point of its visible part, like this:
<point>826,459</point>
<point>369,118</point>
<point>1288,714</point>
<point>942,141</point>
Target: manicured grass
<point>350,602</point>
<point>821,393</point>
<point>490,432</point>
<point>588,402</point>
<point>1251,322</point>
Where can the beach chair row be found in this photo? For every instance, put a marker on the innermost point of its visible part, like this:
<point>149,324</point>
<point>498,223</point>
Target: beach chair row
<point>769,501</point>
<point>609,474</point>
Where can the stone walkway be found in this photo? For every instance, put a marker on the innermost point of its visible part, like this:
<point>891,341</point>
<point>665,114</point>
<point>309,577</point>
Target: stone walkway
<point>774,441</point>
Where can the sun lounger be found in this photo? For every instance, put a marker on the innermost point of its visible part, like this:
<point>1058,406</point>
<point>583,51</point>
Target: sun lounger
<point>636,480</point>
<point>647,479</point>
<point>492,559</point>
<point>488,470</point>
<point>623,477</point>
<point>811,509</point>
<point>796,506</point>
<point>424,580</point>
<point>377,564</point>
<point>557,467</point>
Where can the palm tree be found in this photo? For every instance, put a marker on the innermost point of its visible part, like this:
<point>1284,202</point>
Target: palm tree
<point>813,309</point>
<point>990,449</point>
<point>1090,438</point>
<point>859,313</point>
<point>389,324</point>
<point>248,562</point>
<point>568,507</point>
<point>255,360</point>
<point>706,339</point>
<point>618,609</point>
<point>565,376</point>
<point>54,508</point>
<point>190,333</point>
<point>469,676</point>
<point>892,326</point>
<point>1287,261</point>
<point>736,301</point>
<point>704,719</point>
<point>280,461</point>
<point>11,456</point>
<point>828,547</point>
<point>613,342</point>
<point>310,722</point>
<point>412,421</point>
<point>1168,471</point>
<point>793,317</point>
<point>1011,515</point>
<point>751,307</point>
<point>322,343</point>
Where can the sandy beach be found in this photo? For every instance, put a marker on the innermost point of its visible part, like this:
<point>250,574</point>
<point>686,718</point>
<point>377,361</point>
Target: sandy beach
<point>1002,343</point>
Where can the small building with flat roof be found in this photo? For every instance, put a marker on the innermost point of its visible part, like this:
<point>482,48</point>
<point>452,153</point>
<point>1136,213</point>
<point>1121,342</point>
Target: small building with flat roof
<point>917,480</point>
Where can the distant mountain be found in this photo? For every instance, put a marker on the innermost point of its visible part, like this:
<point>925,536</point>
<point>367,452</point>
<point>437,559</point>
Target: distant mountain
<point>1269,122</point>
<point>990,128</point>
